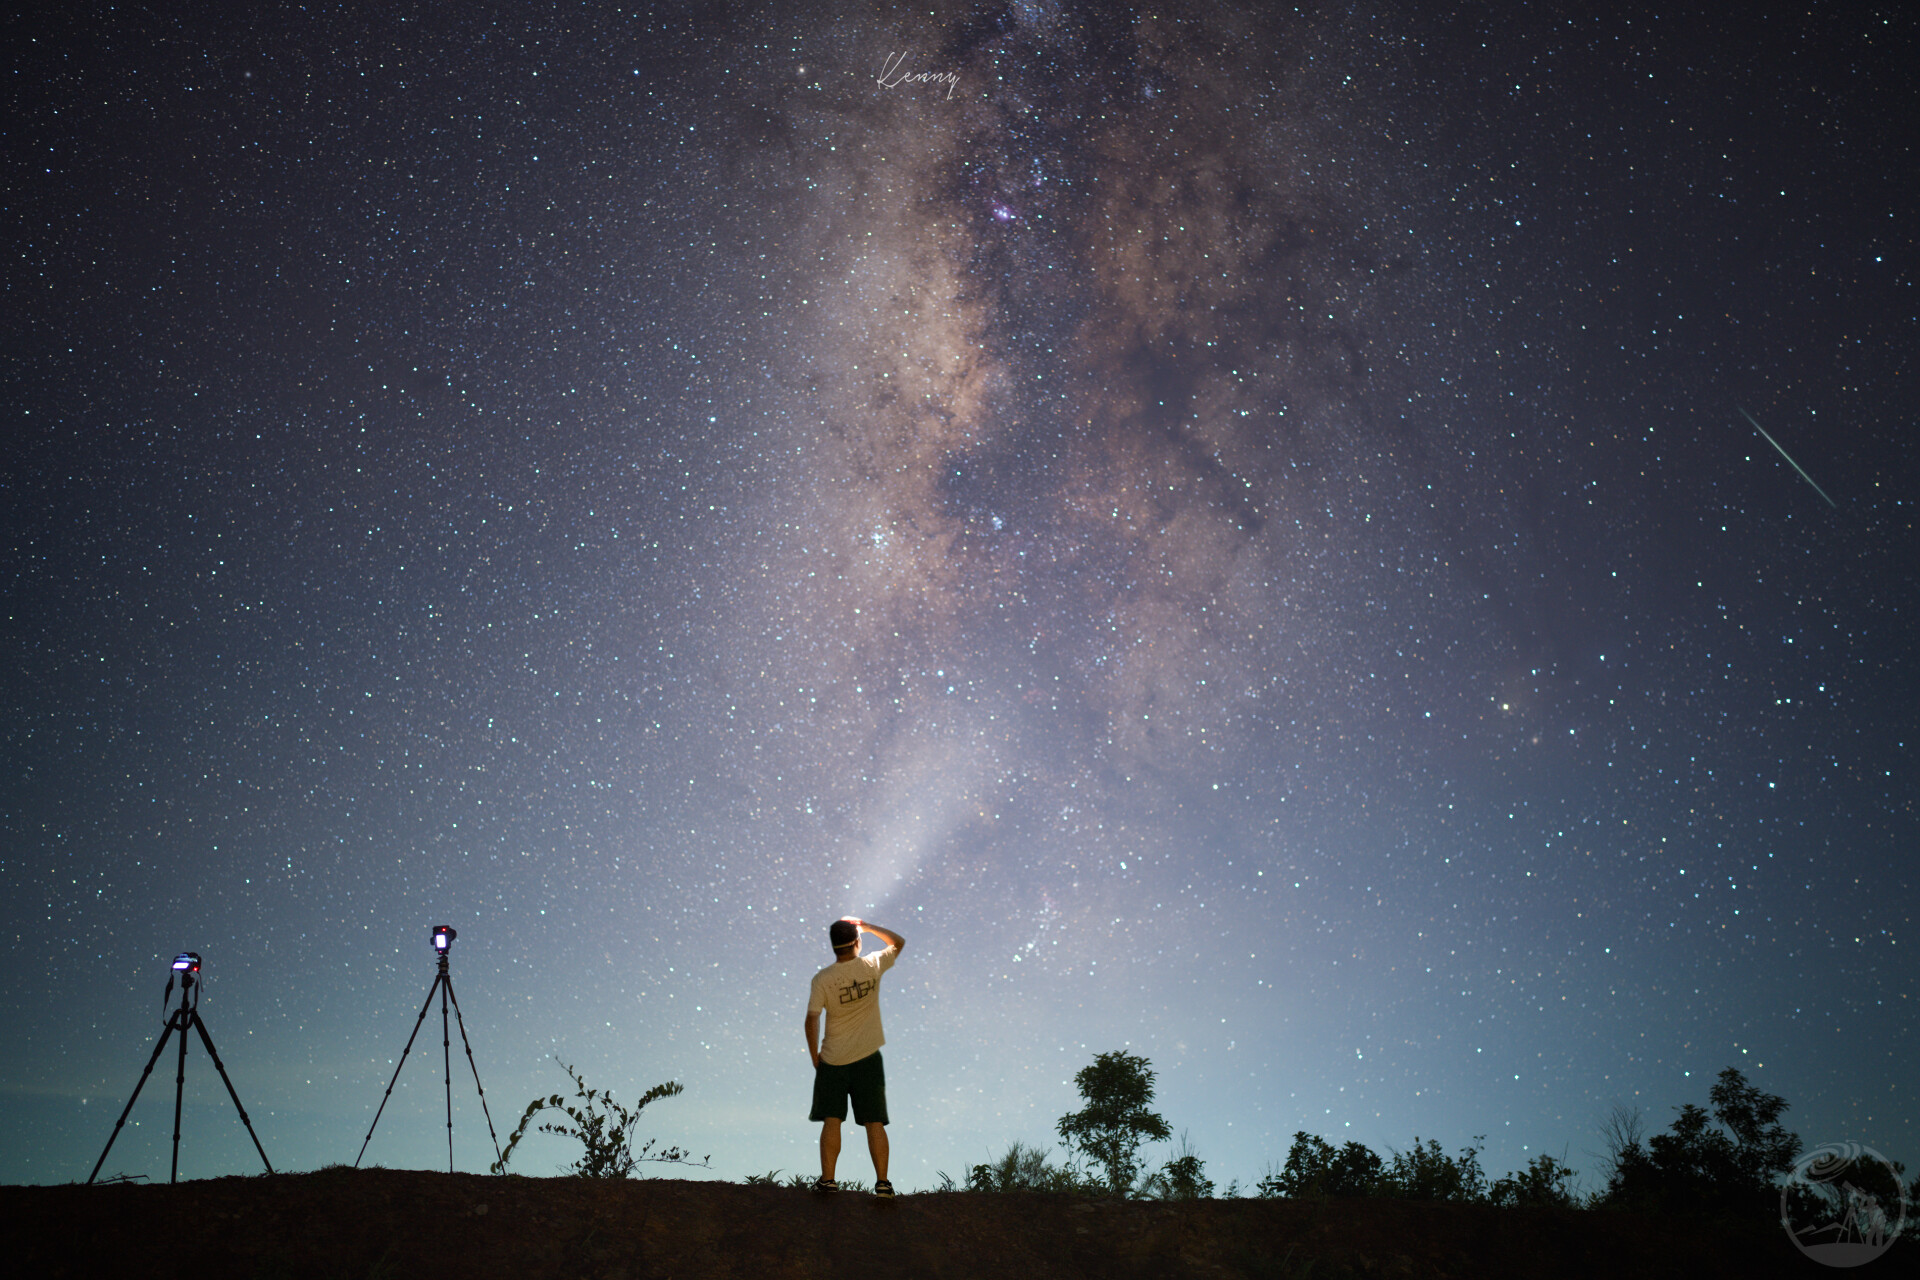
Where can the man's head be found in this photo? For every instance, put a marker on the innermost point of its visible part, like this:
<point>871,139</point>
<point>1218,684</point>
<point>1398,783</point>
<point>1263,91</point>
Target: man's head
<point>844,935</point>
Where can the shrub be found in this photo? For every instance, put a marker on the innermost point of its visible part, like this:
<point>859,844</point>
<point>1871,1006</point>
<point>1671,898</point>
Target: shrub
<point>1315,1168</point>
<point>1181,1178</point>
<point>1427,1173</point>
<point>1542,1184</point>
<point>1699,1169</point>
<point>1024,1168</point>
<point>1115,1121</point>
<point>603,1127</point>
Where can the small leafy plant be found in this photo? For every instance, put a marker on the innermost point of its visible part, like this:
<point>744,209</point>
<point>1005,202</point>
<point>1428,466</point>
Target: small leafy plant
<point>603,1127</point>
<point>1181,1178</point>
<point>1022,1168</point>
<point>1543,1183</point>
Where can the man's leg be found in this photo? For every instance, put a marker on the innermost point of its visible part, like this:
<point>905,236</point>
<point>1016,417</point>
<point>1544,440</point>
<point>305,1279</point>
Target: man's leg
<point>829,1146</point>
<point>876,1147</point>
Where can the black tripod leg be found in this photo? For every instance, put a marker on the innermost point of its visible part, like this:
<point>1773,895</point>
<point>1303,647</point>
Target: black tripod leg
<point>153,1058</point>
<point>179,1088</point>
<point>446,1063</point>
<point>221,1067</point>
<point>468,1046</point>
<point>438,978</point>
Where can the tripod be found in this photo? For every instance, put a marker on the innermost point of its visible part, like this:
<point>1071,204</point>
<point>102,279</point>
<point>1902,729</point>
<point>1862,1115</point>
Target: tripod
<point>186,965</point>
<point>443,936</point>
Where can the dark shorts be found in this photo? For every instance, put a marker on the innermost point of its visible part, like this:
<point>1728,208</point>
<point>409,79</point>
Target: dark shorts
<point>865,1081</point>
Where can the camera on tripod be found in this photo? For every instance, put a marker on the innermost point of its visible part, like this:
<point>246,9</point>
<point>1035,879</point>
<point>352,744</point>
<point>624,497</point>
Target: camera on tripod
<point>184,1018</point>
<point>443,936</point>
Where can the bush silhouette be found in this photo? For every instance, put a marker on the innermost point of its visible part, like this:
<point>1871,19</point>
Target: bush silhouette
<point>603,1127</point>
<point>1427,1173</point>
<point>1181,1178</point>
<point>1542,1184</point>
<point>1696,1168</point>
<point>1315,1168</point>
<point>1115,1121</point>
<point>1024,1168</point>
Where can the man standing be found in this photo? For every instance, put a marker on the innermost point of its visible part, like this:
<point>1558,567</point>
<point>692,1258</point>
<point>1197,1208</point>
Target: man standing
<point>847,1061</point>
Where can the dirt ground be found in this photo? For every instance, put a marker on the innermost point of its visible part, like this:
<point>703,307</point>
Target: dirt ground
<point>398,1223</point>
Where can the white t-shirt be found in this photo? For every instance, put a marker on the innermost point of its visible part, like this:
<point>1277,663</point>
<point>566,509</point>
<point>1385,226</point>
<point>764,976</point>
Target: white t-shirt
<point>849,991</point>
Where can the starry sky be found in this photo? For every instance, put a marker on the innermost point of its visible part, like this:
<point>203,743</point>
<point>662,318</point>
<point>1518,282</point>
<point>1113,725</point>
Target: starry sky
<point>1238,532</point>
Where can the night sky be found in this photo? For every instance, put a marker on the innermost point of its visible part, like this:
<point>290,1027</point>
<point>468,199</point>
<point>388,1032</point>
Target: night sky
<point>1237,533</point>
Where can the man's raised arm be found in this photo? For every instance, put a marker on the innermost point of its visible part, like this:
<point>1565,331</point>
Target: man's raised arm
<point>894,940</point>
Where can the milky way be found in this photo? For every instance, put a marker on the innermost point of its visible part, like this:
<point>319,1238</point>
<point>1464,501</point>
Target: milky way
<point>1096,383</point>
<point>1232,531</point>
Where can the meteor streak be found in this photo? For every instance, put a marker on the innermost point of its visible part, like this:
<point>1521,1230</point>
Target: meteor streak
<point>1789,457</point>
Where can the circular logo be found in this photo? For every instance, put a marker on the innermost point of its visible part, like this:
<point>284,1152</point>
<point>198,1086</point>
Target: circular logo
<point>1843,1204</point>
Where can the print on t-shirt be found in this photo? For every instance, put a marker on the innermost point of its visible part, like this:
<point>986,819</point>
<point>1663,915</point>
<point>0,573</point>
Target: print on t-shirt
<point>856,990</point>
